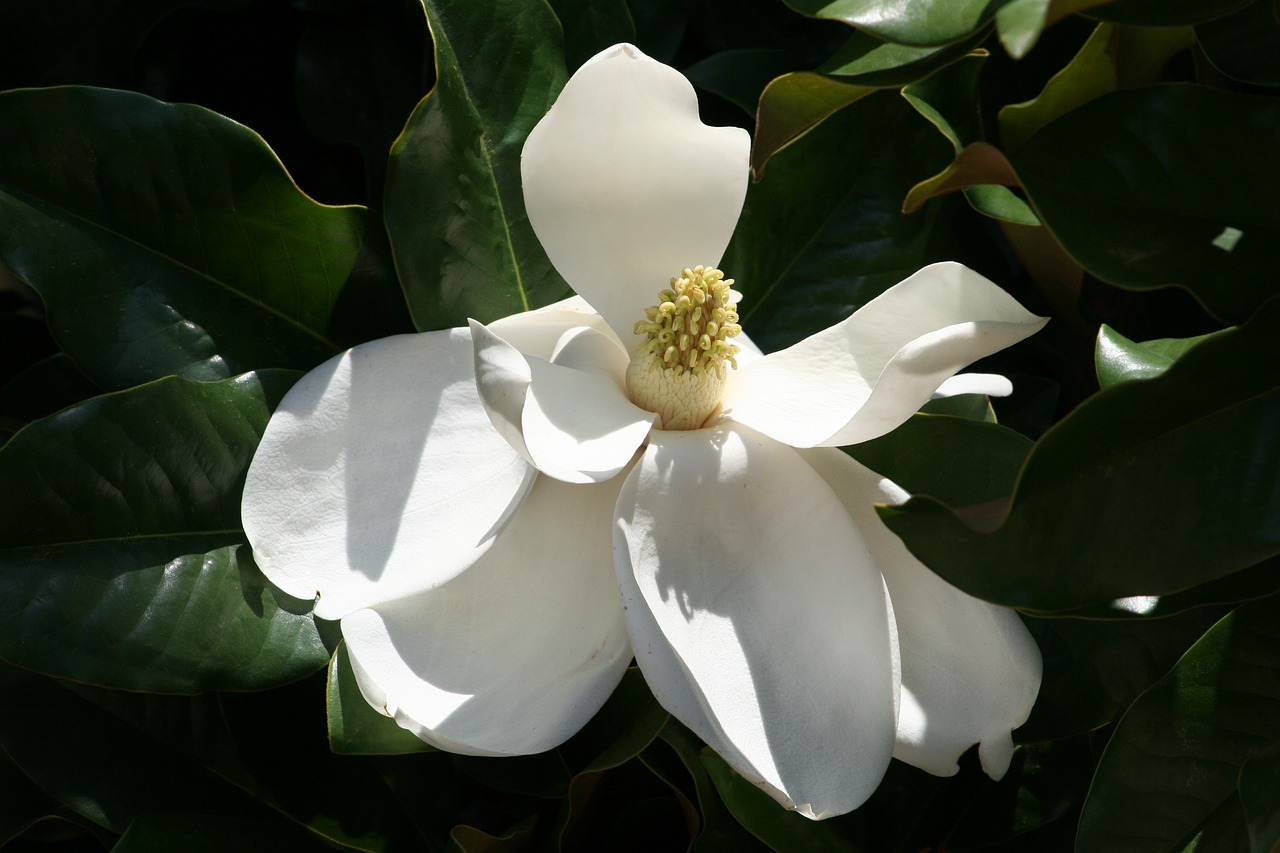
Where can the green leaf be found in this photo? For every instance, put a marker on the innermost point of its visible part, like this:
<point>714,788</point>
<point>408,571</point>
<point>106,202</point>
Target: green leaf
<point>22,803</point>
<point>183,229</point>
<point>122,561</point>
<point>1165,13</point>
<point>959,461</point>
<point>455,209</point>
<point>741,76</point>
<point>781,829</point>
<point>949,101</point>
<point>102,767</point>
<point>1165,186</point>
<point>1246,45</point>
<point>822,234</point>
<point>791,106</point>
<point>921,22</point>
<point>1172,766</point>
<point>719,832</point>
<point>468,839</point>
<point>868,61</point>
<point>355,728</point>
<point>1091,517</point>
<point>1118,359</point>
<point>44,388</point>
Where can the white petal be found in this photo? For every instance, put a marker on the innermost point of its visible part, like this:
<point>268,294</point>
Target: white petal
<point>990,384</point>
<point>867,374</point>
<point>575,425</point>
<point>625,187</point>
<point>970,669</point>
<point>514,655</point>
<point>379,475</point>
<point>756,615</point>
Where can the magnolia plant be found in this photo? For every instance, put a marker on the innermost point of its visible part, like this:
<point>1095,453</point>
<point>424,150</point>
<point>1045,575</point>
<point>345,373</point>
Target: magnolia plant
<point>502,517</point>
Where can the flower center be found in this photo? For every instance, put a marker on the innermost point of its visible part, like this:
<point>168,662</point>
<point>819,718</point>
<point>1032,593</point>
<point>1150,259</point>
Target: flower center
<point>681,368</point>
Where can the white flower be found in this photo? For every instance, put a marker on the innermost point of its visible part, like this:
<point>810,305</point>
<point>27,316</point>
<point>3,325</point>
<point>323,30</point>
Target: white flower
<point>476,570</point>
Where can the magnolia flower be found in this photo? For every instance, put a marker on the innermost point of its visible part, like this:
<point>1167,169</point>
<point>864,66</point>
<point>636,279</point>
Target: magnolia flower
<point>502,517</point>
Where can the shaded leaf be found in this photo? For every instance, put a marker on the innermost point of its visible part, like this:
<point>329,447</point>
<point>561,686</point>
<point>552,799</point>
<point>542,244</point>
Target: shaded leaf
<point>468,839</point>
<point>741,76</point>
<point>1260,798</point>
<point>719,831</point>
<point>355,728</point>
<point>1090,519</point>
<point>792,105</point>
<point>1165,186</point>
<point>1245,45</point>
<point>455,211</point>
<point>822,234</point>
<point>204,833</point>
<point>122,561</point>
<point>44,388</point>
<point>1165,13</point>
<point>1171,768</point>
<point>592,25</point>
<point>183,228</point>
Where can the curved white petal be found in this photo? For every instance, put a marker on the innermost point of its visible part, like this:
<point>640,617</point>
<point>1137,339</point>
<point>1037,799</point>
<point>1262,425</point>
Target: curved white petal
<point>990,384</point>
<point>756,615</point>
<point>625,187</point>
<point>515,654</point>
<point>575,425</point>
<point>379,475</point>
<point>970,669</point>
<point>867,374</point>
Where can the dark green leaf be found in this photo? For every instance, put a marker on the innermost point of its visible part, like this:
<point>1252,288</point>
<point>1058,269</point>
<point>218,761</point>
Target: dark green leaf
<point>1165,13</point>
<point>822,233</point>
<point>455,210</point>
<point>592,25</point>
<point>660,25</point>
<point>1172,766</point>
<point>1118,359</point>
<point>949,101</point>
<point>781,829</point>
<point>867,61</point>
<point>342,798</point>
<point>355,728</point>
<point>1165,186</point>
<point>22,803</point>
<point>1245,45</point>
<point>44,388</point>
<point>183,229</point>
<point>791,106</point>
<point>958,461</point>
<point>468,839</point>
<point>122,562</point>
<point>921,23</point>
<point>103,768</point>
<point>741,76</point>
<point>1190,451</point>
<point>719,832</point>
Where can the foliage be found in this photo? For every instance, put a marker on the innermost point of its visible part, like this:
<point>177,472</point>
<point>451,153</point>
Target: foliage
<point>201,198</point>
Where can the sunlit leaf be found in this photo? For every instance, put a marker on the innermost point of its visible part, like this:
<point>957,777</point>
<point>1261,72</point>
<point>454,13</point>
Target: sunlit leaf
<point>1118,359</point>
<point>455,211</point>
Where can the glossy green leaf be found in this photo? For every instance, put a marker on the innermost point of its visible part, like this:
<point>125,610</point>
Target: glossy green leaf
<point>791,106</point>
<point>1175,759</point>
<point>1189,451</point>
<point>1245,45</point>
<point>122,561</point>
<point>203,833</point>
<point>1118,359</point>
<point>822,234</point>
<point>1165,186</point>
<point>868,61</point>
<point>102,767</point>
<point>1165,13</point>
<point>921,23</point>
<point>592,25</point>
<point>782,830</point>
<point>355,728</point>
<point>455,211</point>
<point>183,228</point>
<point>1260,798</point>
<point>959,461</point>
<point>949,101</point>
